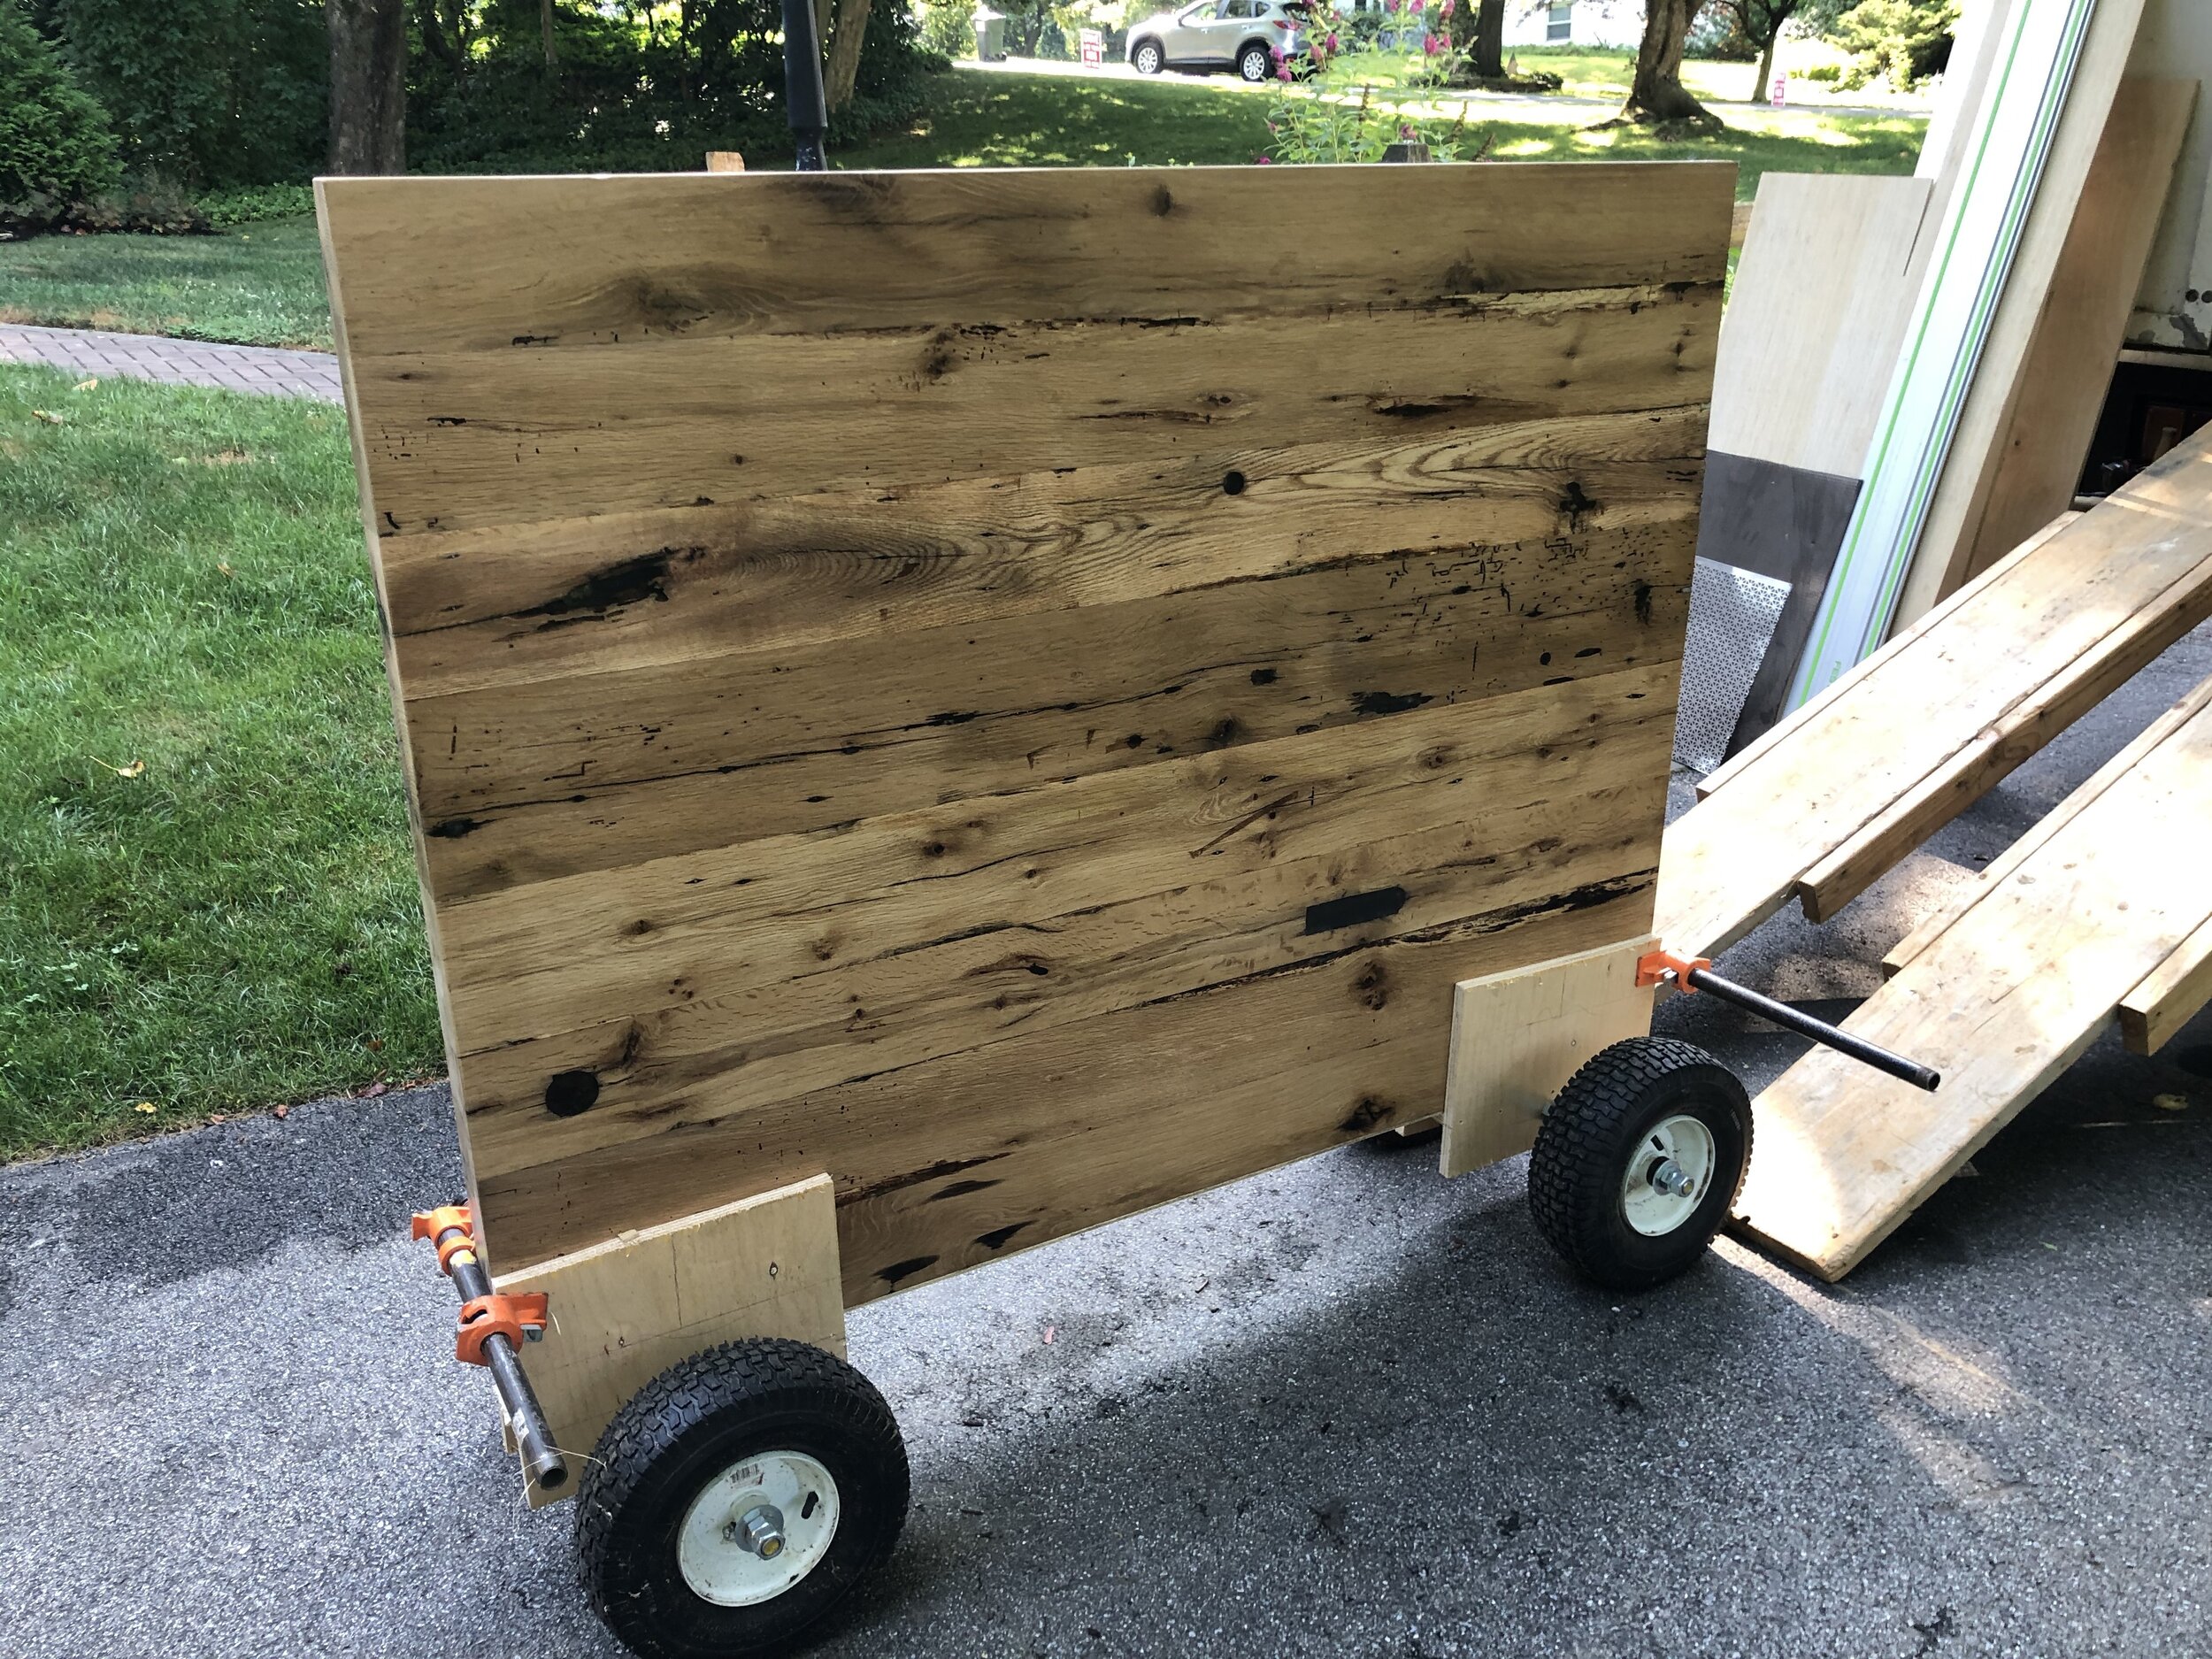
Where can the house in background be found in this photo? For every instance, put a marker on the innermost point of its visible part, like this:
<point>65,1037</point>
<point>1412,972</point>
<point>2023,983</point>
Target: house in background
<point>1574,23</point>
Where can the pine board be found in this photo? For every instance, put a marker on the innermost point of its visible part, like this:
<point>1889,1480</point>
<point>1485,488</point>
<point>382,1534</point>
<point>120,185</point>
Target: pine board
<point>2001,1002</point>
<point>904,675</point>
<point>1836,795</point>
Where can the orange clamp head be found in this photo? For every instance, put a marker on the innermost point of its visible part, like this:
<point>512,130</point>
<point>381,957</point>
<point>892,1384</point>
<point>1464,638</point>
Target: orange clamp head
<point>514,1317</point>
<point>434,1225</point>
<point>1654,966</point>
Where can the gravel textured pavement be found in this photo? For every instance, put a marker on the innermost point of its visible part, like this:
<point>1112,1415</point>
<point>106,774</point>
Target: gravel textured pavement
<point>1344,1408</point>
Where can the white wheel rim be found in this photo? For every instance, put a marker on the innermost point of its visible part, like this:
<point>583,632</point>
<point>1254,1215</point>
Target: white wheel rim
<point>713,1548</point>
<point>1255,67</point>
<point>1148,60</point>
<point>1667,1175</point>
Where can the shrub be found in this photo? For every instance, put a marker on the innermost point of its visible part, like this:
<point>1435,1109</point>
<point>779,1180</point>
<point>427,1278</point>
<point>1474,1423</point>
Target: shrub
<point>254,201</point>
<point>949,27</point>
<point>56,148</point>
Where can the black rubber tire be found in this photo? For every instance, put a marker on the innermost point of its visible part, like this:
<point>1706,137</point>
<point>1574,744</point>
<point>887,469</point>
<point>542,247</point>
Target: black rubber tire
<point>682,1430</point>
<point>1159,58</point>
<point>1592,1132</point>
<point>1245,63</point>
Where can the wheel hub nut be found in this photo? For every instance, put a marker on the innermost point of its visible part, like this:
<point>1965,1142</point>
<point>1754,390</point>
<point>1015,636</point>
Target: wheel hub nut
<point>1671,1178</point>
<point>760,1530</point>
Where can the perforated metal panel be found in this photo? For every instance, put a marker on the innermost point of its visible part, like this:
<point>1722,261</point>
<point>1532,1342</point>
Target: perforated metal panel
<point>1732,617</point>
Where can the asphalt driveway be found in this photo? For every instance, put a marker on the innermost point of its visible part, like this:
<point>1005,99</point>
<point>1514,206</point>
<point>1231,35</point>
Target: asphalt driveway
<point>1343,1409</point>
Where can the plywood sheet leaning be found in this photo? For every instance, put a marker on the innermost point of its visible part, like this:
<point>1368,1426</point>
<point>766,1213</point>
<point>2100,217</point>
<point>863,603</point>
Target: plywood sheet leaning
<point>1832,797</point>
<point>625,1310</point>
<point>1022,691</point>
<point>2001,999</point>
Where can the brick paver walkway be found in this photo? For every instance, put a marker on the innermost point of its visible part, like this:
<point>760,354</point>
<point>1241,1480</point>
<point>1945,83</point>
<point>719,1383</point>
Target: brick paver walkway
<point>178,361</point>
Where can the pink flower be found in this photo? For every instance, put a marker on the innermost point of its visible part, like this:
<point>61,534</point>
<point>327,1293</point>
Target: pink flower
<point>1431,45</point>
<point>1266,161</point>
<point>1282,70</point>
<point>1333,45</point>
<point>1405,130</point>
<point>1445,10</point>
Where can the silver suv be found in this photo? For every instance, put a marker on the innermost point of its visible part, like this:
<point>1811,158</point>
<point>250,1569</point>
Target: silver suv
<point>1241,35</point>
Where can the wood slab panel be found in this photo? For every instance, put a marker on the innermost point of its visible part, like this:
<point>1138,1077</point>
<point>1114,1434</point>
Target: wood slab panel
<point>1023,692</point>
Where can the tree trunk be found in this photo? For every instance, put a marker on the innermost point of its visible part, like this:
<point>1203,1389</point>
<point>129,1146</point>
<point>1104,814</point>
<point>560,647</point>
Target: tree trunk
<point>1657,94</point>
<point>1489,60</point>
<point>545,28</point>
<point>1764,86</point>
<point>368,85</point>
<point>844,56</point>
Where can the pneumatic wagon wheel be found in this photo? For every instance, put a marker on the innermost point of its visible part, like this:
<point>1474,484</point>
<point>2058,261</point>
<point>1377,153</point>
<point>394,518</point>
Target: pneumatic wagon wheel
<point>1640,1160</point>
<point>738,1500</point>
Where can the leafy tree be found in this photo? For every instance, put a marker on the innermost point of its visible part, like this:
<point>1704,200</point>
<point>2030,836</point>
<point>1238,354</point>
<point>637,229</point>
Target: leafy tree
<point>1656,95</point>
<point>1901,41</point>
<point>1759,22</point>
<point>55,143</point>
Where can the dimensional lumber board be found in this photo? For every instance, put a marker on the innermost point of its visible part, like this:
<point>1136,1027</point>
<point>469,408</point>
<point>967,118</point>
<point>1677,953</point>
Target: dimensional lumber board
<point>624,1311</point>
<point>1022,692</point>
<point>1518,1036</point>
<point>2170,995</point>
<point>2036,468</point>
<point>1836,795</point>
<point>2001,1002</point>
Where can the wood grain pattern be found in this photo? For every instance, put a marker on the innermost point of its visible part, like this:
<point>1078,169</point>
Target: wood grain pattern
<point>903,673</point>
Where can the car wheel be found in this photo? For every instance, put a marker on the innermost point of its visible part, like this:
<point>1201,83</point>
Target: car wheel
<point>1147,58</point>
<point>1253,63</point>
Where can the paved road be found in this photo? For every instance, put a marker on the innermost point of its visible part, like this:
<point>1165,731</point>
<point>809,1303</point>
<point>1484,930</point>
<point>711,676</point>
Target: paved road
<point>1344,1408</point>
<point>177,362</point>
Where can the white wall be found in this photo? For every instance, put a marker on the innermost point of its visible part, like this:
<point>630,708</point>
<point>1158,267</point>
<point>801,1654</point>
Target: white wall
<point>1589,23</point>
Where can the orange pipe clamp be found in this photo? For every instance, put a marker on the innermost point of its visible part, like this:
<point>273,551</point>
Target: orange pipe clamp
<point>434,1224</point>
<point>516,1317</point>
<point>1654,966</point>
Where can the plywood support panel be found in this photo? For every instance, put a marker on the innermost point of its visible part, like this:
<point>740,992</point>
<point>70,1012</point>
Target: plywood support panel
<point>1518,1036</point>
<point>2001,1002</point>
<point>1022,692</point>
<point>625,1311</point>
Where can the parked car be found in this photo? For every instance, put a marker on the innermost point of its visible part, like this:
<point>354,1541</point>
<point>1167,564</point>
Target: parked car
<point>1241,35</point>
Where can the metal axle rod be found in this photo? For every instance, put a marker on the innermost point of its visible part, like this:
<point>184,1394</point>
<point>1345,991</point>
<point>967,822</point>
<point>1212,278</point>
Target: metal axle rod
<point>541,1461</point>
<point>1819,1030</point>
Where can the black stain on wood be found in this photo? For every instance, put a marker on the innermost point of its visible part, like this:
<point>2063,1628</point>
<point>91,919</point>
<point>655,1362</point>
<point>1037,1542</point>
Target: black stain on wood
<point>914,1177</point>
<point>997,1238</point>
<point>898,1270</point>
<point>1643,602</point>
<point>1407,408</point>
<point>961,1189</point>
<point>1366,703</point>
<point>1233,484</point>
<point>568,1093</point>
<point>452,829</point>
<point>1262,676</point>
<point>632,582</point>
<point>1354,909</point>
<point>534,340</point>
<point>1372,987</point>
<point>1575,505</point>
<point>1368,1113</point>
<point>1163,202</point>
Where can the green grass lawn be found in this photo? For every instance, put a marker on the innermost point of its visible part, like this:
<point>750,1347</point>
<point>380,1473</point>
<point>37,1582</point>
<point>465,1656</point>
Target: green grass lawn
<point>260,285</point>
<point>209,898</point>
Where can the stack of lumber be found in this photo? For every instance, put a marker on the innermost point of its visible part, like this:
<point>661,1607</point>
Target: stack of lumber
<point>1861,455</point>
<point>2104,908</point>
<point>1022,692</point>
<point>1827,802</point>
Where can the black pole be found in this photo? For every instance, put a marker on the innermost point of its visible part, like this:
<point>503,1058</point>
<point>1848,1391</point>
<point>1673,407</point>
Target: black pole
<point>1819,1030</point>
<point>802,83</point>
